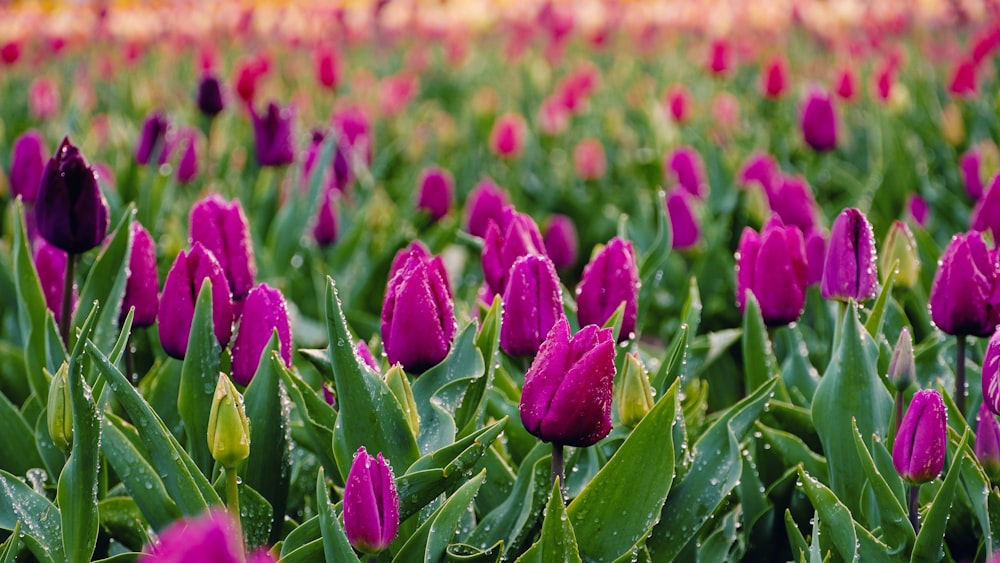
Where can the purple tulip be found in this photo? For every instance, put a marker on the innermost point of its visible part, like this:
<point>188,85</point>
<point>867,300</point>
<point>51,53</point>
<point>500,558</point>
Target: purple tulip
<point>213,537</point>
<point>180,293</point>
<point>986,213</point>
<point>532,304</point>
<point>991,374</point>
<point>610,278</point>
<point>27,160</point>
<point>687,168</point>
<point>683,224</point>
<point>325,230</point>
<point>485,203</point>
<point>514,236</point>
<point>963,300</point>
<point>152,138</point>
<point>849,271</point>
<point>969,164</point>
<point>772,265</point>
<point>415,249</point>
<point>436,193</point>
<point>71,212</point>
<point>222,227</point>
<point>988,443</point>
<point>50,263</point>
<point>918,452</point>
<point>272,133</point>
<point>210,101</point>
<point>792,199</point>
<point>819,122</point>
<point>142,285</point>
<point>560,242</point>
<point>919,210</point>
<point>815,256</point>
<point>567,390</point>
<point>763,169</point>
<point>418,318</point>
<point>187,169</point>
<point>371,503</point>
<point>263,312</point>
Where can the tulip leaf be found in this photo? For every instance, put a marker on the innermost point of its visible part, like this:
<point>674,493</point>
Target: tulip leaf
<point>299,209</point>
<point>308,553</point>
<point>793,451</point>
<point>558,541</point>
<point>255,512</point>
<point>797,542</point>
<point>671,364</point>
<point>318,419</point>
<point>614,322</point>
<point>12,545</point>
<point>798,373</point>
<point>930,540</point>
<point>40,521</point>
<point>369,414</point>
<point>877,317</point>
<point>336,547</point>
<point>304,534</point>
<point>464,553</point>
<point>713,474</point>
<point>18,449</point>
<point>268,469</point>
<point>199,375</point>
<point>429,542</point>
<point>621,503</point>
<point>469,415</point>
<point>893,515</point>
<point>654,260</point>
<point>123,521</point>
<point>105,284</point>
<point>759,363</point>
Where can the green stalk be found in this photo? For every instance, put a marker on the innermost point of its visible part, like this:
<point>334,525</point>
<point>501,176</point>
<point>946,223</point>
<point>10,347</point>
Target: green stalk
<point>960,374</point>
<point>233,504</point>
<point>66,315</point>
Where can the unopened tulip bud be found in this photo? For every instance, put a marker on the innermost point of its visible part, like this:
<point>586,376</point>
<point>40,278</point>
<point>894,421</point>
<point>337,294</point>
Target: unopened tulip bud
<point>142,286</point>
<point>686,167</point>
<point>612,277</point>
<point>485,203</point>
<point>683,225</point>
<point>900,248</point>
<point>849,269</point>
<point>514,236</point>
<point>436,193</point>
<point>988,443</point>
<point>773,266</point>
<point>532,305</point>
<point>961,300</point>
<point>918,452</point>
<point>902,368</point>
<point>819,122</point>
<point>264,312</point>
<point>59,414</point>
<point>71,212</point>
<point>223,229</point>
<point>27,160</point>
<point>228,427</point>
<point>560,242</point>
<point>272,133</point>
<point>180,292</point>
<point>50,264</point>
<point>210,101</point>
<point>152,138</point>
<point>396,381</point>
<point>952,125</point>
<point>371,503</point>
<point>991,374</point>
<point>774,79</point>
<point>507,137</point>
<point>634,395</point>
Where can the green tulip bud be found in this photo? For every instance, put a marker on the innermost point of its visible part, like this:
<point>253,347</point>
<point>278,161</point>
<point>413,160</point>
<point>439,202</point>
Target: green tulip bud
<point>902,364</point>
<point>60,410</point>
<point>899,245</point>
<point>635,397</point>
<point>228,427</point>
<point>396,380</point>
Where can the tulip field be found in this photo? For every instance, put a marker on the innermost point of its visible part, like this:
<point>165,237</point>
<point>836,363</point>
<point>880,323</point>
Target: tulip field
<point>406,281</point>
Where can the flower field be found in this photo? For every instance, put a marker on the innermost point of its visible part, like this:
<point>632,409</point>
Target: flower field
<point>543,281</point>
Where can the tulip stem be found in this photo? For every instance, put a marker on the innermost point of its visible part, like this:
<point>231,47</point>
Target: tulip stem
<point>558,468</point>
<point>66,313</point>
<point>914,502</point>
<point>960,374</point>
<point>233,499</point>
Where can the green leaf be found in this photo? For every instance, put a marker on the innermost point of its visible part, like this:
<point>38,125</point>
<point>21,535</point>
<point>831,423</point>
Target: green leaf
<point>429,542</point>
<point>793,451</point>
<point>122,520</point>
<point>303,535</point>
<point>893,516</point>
<point>759,363</point>
<point>105,284</point>
<point>12,545</point>
<point>308,553</point>
<point>465,553</point>
<point>469,415</point>
<point>40,520</point>
<point>877,316</point>
<point>930,541</point>
<point>614,322</point>
<point>298,210</point>
<point>516,521</point>
<point>255,512</point>
<point>336,547</point>
<point>18,451</point>
<point>672,362</point>
<point>369,414</point>
<point>318,419</point>
<point>653,261</point>
<point>199,375</point>
<point>621,503</point>
<point>796,541</point>
<point>558,542</point>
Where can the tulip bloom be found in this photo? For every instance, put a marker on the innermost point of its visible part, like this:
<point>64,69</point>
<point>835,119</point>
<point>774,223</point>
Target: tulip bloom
<point>142,285</point>
<point>918,452</point>
<point>589,160</point>
<point>43,99</point>
<point>532,304</point>
<point>991,374</point>
<point>325,230</point>
<point>846,84</point>
<point>327,68</point>
<point>71,212</point>
<point>272,133</point>
<point>772,265</point>
<point>792,199</point>
<point>774,79</point>
<point>222,227</point>
<point>963,82</point>
<point>969,164</point>
<point>187,168</point>
<point>683,223</point>
<point>719,57</point>
<point>849,271</point>
<point>560,242</point>
<point>418,318</point>
<point>180,293</point>
<point>213,536</point>
<point>248,73</point>
<point>685,165</point>
<point>152,139</point>
<point>819,122</point>
<point>962,298</point>
<point>484,204</point>
<point>610,278</point>
<point>50,264</point>
<point>436,193</point>
<point>263,312</point>
<point>507,137</point>
<point>27,160</point>
<point>567,390</point>
<point>209,99</point>
<point>763,169</point>
<point>515,235</point>
<point>371,503</point>
<point>354,144</point>
<point>678,101</point>
<point>988,443</point>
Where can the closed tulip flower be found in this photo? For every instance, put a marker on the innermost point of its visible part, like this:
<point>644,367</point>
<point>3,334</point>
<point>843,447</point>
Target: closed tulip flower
<point>507,137</point>
<point>588,159</point>
<point>272,133</point>
<point>515,235</point>
<point>142,285</point>
<point>222,228</point>
<point>187,168</point>
<point>228,427</point>
<point>436,193</point>
<point>819,122</point>
<point>371,503</point>
<point>815,256</point>
<point>209,99</point>
<point>991,374</point>
<point>792,199</point>
<point>918,452</point>
<point>610,278</point>
<point>560,242</point>
<point>27,160</point>
<point>485,203</point>
<point>71,213</point>
<point>152,138</point>
<point>180,293</point>
<point>846,84</point>
<point>849,271</point>
<point>763,169</point>
<point>354,145</point>
<point>567,390</point>
<point>532,304</point>
<point>678,102</point>
<point>263,312</point>
<point>961,300</point>
<point>325,230</point>
<point>327,68</point>
<point>683,224</point>
<point>720,57</point>
<point>686,167</point>
<point>772,265</point>
<point>988,443</point>
<point>774,79</point>
<point>970,163</point>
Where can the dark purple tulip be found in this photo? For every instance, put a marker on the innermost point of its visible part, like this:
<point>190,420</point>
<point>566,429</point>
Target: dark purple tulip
<point>772,265</point>
<point>210,100</point>
<point>180,293</point>
<point>819,122</point>
<point>688,169</point>
<point>27,160</point>
<point>918,452</point>
<point>263,312</point>
<point>486,203</point>
<point>792,199</point>
<point>71,212</point>
<point>50,263</point>
<point>683,224</point>
<point>815,256</point>
<point>514,236</point>
<point>962,300</point>
<point>849,271</point>
<point>610,278</point>
<point>142,286</point>
<point>272,133</point>
<point>991,374</point>
<point>567,390</point>
<point>532,304</point>
<point>970,173</point>
<point>222,227</point>
<point>763,169</point>
<point>436,193</point>
<point>418,318</point>
<point>560,242</point>
<point>152,138</point>
<point>988,443</point>
<point>371,503</point>
<point>986,213</point>
<point>187,168</point>
<point>325,229</point>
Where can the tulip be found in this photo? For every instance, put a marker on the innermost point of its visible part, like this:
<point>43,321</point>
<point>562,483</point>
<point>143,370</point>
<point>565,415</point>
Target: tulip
<point>884,79</point>
<point>43,99</point>
<point>10,52</point>
<point>152,139</point>
<point>567,390</point>
<point>772,265</point>
<point>272,133</point>
<point>719,57</point>
<point>50,263</point>
<point>415,249</point>
<point>815,256</point>
<point>902,365</point>
<point>327,68</point>
<point>845,84</point>
<point>70,212</point>
<point>634,395</point>
<point>900,247</point>
<point>792,199</point>
<point>819,122</point>
<point>371,503</point>
<point>187,169</point>
<point>685,165</point>
<point>418,319</point>
<point>485,203</point>
<point>59,414</point>
<point>228,427</point>
<point>248,73</point>
<point>969,164</point>
<point>553,117</point>
<point>436,193</point>
<point>214,536</point>
<point>678,100</point>
<point>988,443</point>
<point>849,269</point>
<point>961,299</point>
<point>588,159</point>
<point>774,79</point>
<point>515,235</point>
<point>180,292</point>
<point>918,209</point>
<point>263,312</point>
<point>986,213</point>
<point>362,351</point>
<point>142,285</point>
<point>507,136</point>
<point>222,228</point>
<point>532,304</point>
<point>560,242</point>
<point>963,82</point>
<point>210,100</point>
<point>991,374</point>
<point>683,224</point>
<point>918,452</point>
<point>952,124</point>
<point>27,160</point>
<point>763,169</point>
<point>610,278</point>
<point>325,230</point>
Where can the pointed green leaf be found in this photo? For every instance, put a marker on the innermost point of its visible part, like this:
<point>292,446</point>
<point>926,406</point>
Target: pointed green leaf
<point>336,547</point>
<point>471,412</point>
<point>105,284</point>
<point>795,539</point>
<point>318,419</point>
<point>558,541</point>
<point>40,521</point>
<point>465,553</point>
<point>122,520</point>
<point>930,541</point>
<point>199,375</point>
<point>12,545</point>
<point>895,521</point>
<point>877,316</point>
<point>793,451</point>
<point>672,361</point>
<point>759,363</point>
<point>429,542</point>
<point>517,520</point>
<point>18,450</point>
